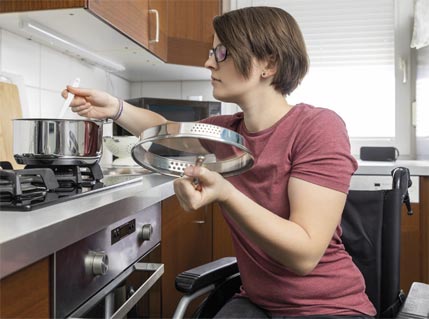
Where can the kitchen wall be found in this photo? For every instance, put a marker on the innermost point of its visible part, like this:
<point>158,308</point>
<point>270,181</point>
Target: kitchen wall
<point>45,72</point>
<point>41,73</point>
<point>422,104</point>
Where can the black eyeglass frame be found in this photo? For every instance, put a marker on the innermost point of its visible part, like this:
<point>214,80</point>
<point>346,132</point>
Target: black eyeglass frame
<point>212,52</point>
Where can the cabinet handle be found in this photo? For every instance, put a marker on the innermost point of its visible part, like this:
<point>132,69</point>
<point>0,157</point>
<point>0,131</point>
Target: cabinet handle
<point>156,40</point>
<point>203,221</point>
<point>199,221</point>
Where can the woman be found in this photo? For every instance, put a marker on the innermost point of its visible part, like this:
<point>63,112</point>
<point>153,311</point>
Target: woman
<point>284,213</point>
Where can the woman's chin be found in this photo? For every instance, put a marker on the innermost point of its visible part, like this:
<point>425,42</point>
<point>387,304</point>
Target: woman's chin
<point>223,97</point>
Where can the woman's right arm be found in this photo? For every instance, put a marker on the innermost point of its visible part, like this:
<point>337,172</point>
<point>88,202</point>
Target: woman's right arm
<point>101,105</point>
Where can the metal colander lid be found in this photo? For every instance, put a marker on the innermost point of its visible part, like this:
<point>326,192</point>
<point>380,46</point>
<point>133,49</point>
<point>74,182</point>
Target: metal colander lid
<point>169,148</point>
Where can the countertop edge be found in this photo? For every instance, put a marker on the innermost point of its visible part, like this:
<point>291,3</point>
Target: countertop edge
<point>416,167</point>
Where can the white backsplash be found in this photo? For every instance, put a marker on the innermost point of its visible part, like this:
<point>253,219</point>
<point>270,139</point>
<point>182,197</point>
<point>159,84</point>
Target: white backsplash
<point>41,73</point>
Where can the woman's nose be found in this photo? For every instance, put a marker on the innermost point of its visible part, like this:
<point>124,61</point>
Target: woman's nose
<point>210,62</point>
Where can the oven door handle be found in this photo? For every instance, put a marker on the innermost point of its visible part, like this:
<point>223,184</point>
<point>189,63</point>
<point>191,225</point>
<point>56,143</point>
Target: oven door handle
<point>158,270</point>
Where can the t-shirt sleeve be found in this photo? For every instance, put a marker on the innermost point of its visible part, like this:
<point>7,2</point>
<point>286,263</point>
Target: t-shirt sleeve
<point>321,152</point>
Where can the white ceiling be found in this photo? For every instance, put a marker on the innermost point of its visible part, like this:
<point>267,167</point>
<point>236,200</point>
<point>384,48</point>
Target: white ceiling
<point>85,29</point>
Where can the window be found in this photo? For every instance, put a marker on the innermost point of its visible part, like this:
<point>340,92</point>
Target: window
<point>359,65</point>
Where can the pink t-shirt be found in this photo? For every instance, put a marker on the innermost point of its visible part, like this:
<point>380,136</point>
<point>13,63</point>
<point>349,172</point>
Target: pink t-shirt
<point>311,144</point>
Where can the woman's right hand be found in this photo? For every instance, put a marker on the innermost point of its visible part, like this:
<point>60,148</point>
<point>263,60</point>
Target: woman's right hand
<point>92,103</point>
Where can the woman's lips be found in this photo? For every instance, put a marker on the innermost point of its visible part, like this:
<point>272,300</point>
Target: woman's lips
<point>215,80</point>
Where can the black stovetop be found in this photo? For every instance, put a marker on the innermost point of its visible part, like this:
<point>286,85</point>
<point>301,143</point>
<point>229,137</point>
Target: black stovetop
<point>36,187</point>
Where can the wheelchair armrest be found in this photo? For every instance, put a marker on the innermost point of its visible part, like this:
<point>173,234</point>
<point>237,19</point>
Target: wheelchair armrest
<point>199,277</point>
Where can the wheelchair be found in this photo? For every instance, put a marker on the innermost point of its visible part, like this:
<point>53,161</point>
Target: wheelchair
<point>371,224</point>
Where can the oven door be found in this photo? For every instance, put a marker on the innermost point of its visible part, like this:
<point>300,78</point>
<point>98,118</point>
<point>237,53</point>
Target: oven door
<point>113,261</point>
<point>136,293</point>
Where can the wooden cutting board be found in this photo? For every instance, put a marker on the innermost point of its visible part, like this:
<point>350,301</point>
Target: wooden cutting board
<point>10,108</point>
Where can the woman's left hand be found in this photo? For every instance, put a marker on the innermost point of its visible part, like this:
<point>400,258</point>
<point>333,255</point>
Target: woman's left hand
<point>212,187</point>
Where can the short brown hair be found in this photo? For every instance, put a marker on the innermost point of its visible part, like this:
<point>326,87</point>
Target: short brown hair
<point>268,34</point>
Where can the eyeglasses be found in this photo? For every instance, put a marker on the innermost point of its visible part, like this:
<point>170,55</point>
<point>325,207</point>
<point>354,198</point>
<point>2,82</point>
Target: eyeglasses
<point>220,53</point>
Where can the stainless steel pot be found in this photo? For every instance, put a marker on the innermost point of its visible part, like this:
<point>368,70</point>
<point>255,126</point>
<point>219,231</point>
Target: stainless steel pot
<point>57,141</point>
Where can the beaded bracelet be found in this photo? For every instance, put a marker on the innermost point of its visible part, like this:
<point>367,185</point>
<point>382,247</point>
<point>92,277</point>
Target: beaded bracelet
<point>121,109</point>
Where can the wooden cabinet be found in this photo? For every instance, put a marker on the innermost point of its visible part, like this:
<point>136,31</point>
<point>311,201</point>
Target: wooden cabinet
<point>186,242</point>
<point>30,5</point>
<point>26,293</point>
<point>190,31</point>
<point>129,17</point>
<point>176,31</point>
<point>222,242</point>
<point>415,239</point>
<point>143,21</point>
<point>158,27</point>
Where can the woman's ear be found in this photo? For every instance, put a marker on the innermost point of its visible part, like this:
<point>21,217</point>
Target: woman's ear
<point>269,68</point>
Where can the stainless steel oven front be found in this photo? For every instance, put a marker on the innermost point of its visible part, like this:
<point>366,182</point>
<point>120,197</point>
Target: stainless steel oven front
<point>96,277</point>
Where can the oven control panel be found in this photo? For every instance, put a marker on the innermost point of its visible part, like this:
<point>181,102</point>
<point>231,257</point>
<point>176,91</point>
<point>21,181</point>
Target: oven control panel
<point>122,231</point>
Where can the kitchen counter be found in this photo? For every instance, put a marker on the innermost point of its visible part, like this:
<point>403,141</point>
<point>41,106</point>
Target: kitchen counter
<point>28,236</point>
<point>416,167</point>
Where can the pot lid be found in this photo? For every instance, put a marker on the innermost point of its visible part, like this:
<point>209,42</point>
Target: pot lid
<point>169,148</point>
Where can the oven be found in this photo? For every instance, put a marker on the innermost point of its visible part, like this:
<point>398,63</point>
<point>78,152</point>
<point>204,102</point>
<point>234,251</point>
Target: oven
<point>113,272</point>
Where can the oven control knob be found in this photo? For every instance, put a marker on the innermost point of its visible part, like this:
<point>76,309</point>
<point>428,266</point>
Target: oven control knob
<point>100,264</point>
<point>146,232</point>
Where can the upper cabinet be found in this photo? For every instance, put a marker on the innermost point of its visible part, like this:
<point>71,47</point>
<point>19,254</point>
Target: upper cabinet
<point>30,5</point>
<point>158,27</point>
<point>190,31</point>
<point>176,31</point>
<point>129,17</point>
<point>143,21</point>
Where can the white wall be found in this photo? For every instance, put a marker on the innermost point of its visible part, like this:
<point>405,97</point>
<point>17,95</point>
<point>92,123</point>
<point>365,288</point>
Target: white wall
<point>46,72</point>
<point>42,73</point>
<point>422,104</point>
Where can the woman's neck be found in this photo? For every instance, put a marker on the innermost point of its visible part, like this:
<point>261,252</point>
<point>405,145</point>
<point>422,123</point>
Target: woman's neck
<point>264,112</point>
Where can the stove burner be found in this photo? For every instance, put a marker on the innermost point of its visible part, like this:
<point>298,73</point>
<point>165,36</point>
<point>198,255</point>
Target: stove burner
<point>21,182</point>
<point>39,184</point>
<point>5,165</point>
<point>68,175</point>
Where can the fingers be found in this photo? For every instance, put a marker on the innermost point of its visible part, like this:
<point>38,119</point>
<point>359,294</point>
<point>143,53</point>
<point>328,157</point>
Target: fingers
<point>79,91</point>
<point>186,194</point>
<point>82,110</point>
<point>199,172</point>
<point>193,196</point>
<point>79,99</point>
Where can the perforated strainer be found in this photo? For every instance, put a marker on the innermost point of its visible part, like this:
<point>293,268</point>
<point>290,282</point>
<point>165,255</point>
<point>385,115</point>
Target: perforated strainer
<point>169,148</point>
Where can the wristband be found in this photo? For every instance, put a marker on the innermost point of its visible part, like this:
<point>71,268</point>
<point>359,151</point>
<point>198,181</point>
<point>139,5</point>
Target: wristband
<point>120,110</point>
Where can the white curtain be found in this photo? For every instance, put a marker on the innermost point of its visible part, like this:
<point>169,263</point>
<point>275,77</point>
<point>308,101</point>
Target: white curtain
<point>421,24</point>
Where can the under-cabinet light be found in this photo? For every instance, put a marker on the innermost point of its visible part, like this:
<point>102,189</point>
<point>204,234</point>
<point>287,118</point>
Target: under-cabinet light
<point>62,43</point>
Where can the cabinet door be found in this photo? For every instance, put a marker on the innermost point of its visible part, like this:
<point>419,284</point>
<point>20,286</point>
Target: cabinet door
<point>29,5</point>
<point>129,17</point>
<point>190,31</point>
<point>26,293</point>
<point>186,242</point>
<point>222,242</point>
<point>158,28</point>
<point>411,247</point>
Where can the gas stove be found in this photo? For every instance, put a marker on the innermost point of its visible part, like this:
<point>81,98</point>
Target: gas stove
<point>35,187</point>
